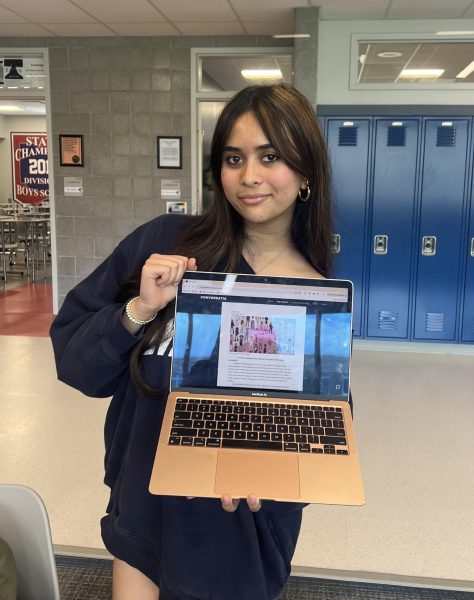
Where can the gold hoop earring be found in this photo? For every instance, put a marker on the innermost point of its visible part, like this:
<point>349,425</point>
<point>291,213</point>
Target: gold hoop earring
<point>305,197</point>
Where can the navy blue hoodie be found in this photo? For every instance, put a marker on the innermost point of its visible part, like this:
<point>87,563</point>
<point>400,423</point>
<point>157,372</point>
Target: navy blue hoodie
<point>192,549</point>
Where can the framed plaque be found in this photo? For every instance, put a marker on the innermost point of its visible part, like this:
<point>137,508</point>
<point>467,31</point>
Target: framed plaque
<point>169,152</point>
<point>71,150</point>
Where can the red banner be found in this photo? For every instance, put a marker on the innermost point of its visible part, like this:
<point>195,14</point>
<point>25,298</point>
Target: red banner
<point>30,168</point>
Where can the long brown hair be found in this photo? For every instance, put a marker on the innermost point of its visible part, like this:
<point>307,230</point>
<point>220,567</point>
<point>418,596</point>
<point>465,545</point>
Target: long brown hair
<point>217,237</point>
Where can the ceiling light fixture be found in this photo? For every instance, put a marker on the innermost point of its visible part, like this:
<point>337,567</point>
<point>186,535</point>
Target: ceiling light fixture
<point>389,54</point>
<point>262,73</point>
<point>455,33</point>
<point>466,72</point>
<point>421,73</point>
<point>10,108</point>
<point>291,35</point>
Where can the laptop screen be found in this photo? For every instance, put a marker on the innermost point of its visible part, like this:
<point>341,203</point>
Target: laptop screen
<point>262,336</point>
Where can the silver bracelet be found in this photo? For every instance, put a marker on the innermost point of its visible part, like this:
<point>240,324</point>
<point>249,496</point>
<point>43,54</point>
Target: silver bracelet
<point>133,318</point>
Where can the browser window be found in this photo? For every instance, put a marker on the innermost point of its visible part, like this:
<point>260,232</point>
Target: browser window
<point>232,333</point>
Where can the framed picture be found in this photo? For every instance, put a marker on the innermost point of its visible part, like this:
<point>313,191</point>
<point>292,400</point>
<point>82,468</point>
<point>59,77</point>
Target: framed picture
<point>169,152</point>
<point>71,150</point>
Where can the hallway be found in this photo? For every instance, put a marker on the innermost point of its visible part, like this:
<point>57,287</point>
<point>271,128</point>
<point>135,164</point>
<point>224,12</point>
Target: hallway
<point>51,439</point>
<point>26,308</point>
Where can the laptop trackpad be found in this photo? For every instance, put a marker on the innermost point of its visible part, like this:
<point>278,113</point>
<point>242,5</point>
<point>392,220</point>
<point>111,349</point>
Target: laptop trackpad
<point>265,474</point>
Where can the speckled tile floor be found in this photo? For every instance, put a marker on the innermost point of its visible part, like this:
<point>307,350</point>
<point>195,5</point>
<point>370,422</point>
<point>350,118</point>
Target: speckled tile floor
<point>90,579</point>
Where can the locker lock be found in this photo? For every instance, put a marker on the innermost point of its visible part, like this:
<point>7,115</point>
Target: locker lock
<point>380,244</point>
<point>335,243</point>
<point>429,245</point>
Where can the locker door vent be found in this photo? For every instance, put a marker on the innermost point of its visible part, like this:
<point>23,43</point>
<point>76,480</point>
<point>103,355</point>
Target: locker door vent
<point>446,136</point>
<point>388,320</point>
<point>348,136</point>
<point>435,322</point>
<point>396,136</point>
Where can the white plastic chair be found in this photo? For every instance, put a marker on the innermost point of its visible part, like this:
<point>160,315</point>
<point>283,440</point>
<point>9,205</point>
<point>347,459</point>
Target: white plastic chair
<point>24,525</point>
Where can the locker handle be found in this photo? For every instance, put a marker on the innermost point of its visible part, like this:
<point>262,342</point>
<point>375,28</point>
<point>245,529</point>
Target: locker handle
<point>472,247</point>
<point>380,244</point>
<point>429,245</point>
<point>335,243</point>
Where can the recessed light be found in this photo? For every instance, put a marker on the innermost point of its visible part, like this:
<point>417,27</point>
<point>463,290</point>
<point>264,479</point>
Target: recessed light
<point>466,72</point>
<point>389,54</point>
<point>10,108</point>
<point>262,73</point>
<point>455,33</point>
<point>421,73</point>
<point>291,35</point>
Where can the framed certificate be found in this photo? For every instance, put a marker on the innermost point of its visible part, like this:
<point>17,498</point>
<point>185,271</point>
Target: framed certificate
<point>169,152</point>
<point>71,150</point>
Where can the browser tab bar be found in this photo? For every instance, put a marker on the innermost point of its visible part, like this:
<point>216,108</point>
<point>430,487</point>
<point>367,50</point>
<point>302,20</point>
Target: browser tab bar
<point>231,287</point>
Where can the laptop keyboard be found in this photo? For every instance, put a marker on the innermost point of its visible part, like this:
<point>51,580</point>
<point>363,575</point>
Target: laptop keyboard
<point>259,426</point>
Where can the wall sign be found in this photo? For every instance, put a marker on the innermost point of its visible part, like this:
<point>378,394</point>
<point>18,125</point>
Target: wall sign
<point>171,188</point>
<point>73,186</point>
<point>30,168</point>
<point>22,72</point>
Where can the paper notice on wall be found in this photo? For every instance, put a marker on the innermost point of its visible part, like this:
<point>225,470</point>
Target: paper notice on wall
<point>171,188</point>
<point>34,74</point>
<point>73,186</point>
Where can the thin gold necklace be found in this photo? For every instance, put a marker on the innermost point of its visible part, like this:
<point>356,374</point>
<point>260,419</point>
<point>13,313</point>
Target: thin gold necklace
<point>277,255</point>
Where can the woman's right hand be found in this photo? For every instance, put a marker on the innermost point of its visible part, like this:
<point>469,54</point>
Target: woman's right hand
<point>160,276</point>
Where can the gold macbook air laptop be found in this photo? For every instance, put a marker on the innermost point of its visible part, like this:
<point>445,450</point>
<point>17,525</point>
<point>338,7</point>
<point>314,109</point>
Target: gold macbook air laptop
<point>259,400</point>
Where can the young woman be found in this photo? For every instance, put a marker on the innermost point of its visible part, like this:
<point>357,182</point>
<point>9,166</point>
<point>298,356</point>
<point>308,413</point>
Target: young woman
<point>271,215</point>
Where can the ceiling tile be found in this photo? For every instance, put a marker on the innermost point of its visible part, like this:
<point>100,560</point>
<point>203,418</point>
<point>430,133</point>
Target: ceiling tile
<point>229,28</point>
<point>22,29</point>
<point>186,12</point>
<point>78,29</point>
<point>7,16</point>
<point>121,11</point>
<point>146,29</point>
<point>269,28</point>
<point>51,11</point>
<point>427,9</point>
<point>272,5</point>
<point>259,13</point>
<point>348,9</point>
<point>469,14</point>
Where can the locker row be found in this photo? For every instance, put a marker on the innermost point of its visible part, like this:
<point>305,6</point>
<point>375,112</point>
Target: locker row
<point>404,224</point>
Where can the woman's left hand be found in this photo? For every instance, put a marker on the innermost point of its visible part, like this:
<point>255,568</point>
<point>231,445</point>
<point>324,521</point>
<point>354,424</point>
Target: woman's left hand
<point>230,505</point>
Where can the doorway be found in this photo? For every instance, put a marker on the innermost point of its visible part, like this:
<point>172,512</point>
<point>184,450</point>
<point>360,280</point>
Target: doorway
<point>26,248</point>
<point>216,75</point>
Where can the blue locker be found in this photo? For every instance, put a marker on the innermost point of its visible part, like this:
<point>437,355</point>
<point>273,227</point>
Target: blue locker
<point>391,239</point>
<point>441,219</point>
<point>467,331</point>
<point>348,143</point>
